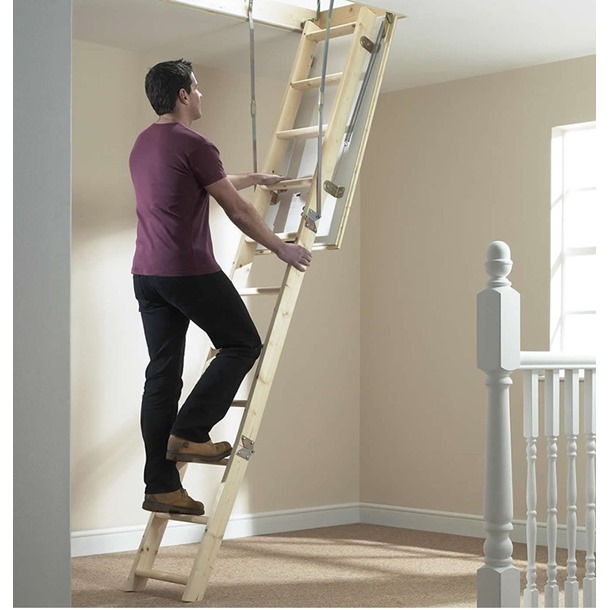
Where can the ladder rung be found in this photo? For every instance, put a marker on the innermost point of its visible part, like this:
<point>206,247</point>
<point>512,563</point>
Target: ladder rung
<point>313,83</point>
<point>201,519</point>
<point>287,237</point>
<point>301,132</point>
<point>294,184</point>
<point>252,292</point>
<point>335,32</point>
<point>218,463</point>
<point>179,579</point>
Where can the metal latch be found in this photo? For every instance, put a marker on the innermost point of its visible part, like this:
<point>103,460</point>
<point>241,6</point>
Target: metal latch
<point>332,189</point>
<point>247,449</point>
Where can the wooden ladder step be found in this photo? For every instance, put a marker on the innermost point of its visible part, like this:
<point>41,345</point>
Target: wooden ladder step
<point>301,132</point>
<point>294,184</point>
<point>200,519</point>
<point>316,81</point>
<point>218,463</point>
<point>265,291</point>
<point>178,579</point>
<point>334,32</point>
<point>287,237</point>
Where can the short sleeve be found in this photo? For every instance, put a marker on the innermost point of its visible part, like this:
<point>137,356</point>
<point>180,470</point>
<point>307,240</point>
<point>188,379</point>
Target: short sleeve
<point>205,163</point>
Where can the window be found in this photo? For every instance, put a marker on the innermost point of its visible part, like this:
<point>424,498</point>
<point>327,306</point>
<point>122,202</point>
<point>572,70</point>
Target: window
<point>574,224</point>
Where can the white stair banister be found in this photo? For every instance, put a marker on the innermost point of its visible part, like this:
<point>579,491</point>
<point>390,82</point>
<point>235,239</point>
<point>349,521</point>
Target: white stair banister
<point>572,431</point>
<point>530,432</point>
<point>590,432</point>
<point>498,355</point>
<point>551,431</point>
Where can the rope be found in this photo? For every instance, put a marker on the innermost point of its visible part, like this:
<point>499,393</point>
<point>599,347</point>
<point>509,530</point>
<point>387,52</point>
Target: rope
<point>252,86</point>
<point>321,110</point>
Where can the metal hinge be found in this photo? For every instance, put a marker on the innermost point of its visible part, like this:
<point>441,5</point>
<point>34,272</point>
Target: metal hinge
<point>334,190</point>
<point>311,217</point>
<point>247,449</point>
<point>368,44</point>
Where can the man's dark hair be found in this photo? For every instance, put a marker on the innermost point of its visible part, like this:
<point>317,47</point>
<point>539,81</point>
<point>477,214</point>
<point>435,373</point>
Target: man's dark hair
<point>164,81</point>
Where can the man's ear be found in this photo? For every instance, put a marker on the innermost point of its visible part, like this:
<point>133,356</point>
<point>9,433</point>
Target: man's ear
<point>183,95</point>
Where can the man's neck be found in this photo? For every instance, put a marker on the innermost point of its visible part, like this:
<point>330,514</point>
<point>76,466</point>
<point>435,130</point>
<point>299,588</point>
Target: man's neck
<point>172,118</point>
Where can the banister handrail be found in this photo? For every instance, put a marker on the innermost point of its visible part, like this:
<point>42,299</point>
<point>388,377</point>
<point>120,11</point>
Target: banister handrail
<point>556,360</point>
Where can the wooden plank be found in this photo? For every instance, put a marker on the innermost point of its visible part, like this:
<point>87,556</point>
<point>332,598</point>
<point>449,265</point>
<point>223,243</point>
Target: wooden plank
<point>199,519</point>
<point>334,32</point>
<point>287,237</point>
<point>266,291</point>
<point>293,184</point>
<point>301,132</point>
<point>316,81</point>
<point>179,579</point>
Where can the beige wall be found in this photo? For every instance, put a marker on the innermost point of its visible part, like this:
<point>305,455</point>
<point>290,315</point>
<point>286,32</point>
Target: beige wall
<point>448,169</point>
<point>306,450</point>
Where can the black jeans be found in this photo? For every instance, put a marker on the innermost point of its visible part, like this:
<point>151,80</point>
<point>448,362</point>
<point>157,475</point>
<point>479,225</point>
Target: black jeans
<point>166,305</point>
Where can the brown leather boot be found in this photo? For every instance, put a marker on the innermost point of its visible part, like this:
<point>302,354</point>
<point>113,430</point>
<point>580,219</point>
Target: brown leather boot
<point>172,502</point>
<point>181,450</point>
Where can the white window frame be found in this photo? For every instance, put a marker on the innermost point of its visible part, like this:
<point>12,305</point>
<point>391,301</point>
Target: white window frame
<point>560,253</point>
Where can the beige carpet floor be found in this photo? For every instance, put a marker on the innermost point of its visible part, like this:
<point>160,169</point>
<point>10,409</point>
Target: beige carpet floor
<point>346,566</point>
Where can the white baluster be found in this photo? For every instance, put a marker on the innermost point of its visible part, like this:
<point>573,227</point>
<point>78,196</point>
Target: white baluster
<point>530,432</point>
<point>572,430</point>
<point>590,431</point>
<point>551,431</point>
<point>498,354</point>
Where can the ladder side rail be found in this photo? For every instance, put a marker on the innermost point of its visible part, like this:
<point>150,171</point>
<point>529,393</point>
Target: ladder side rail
<point>147,553</point>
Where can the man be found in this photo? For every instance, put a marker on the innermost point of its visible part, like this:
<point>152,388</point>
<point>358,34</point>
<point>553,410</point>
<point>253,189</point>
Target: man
<point>177,279</point>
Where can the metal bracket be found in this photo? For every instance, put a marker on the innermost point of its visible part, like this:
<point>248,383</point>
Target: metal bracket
<point>368,44</point>
<point>334,190</point>
<point>247,449</point>
<point>311,217</point>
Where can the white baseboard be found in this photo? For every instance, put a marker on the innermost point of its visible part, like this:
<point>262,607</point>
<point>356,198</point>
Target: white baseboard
<point>114,540</point>
<point>457,524</point>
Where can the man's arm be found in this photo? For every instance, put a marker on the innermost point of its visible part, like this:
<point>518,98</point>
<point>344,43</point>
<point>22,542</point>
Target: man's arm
<point>249,221</point>
<point>244,181</point>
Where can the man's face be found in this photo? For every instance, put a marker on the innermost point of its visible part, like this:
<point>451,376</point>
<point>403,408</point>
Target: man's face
<point>195,99</point>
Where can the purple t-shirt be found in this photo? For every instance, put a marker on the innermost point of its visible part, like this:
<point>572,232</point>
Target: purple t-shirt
<point>170,167</point>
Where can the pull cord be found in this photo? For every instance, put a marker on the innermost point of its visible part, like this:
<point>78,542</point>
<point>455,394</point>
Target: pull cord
<point>252,87</point>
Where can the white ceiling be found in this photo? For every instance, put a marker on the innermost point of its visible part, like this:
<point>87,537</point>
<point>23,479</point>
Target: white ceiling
<point>439,40</point>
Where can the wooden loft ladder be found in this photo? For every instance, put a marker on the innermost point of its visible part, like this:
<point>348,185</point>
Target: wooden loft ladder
<point>364,25</point>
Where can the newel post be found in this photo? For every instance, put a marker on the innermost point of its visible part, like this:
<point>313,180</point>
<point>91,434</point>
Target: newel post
<point>498,355</point>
